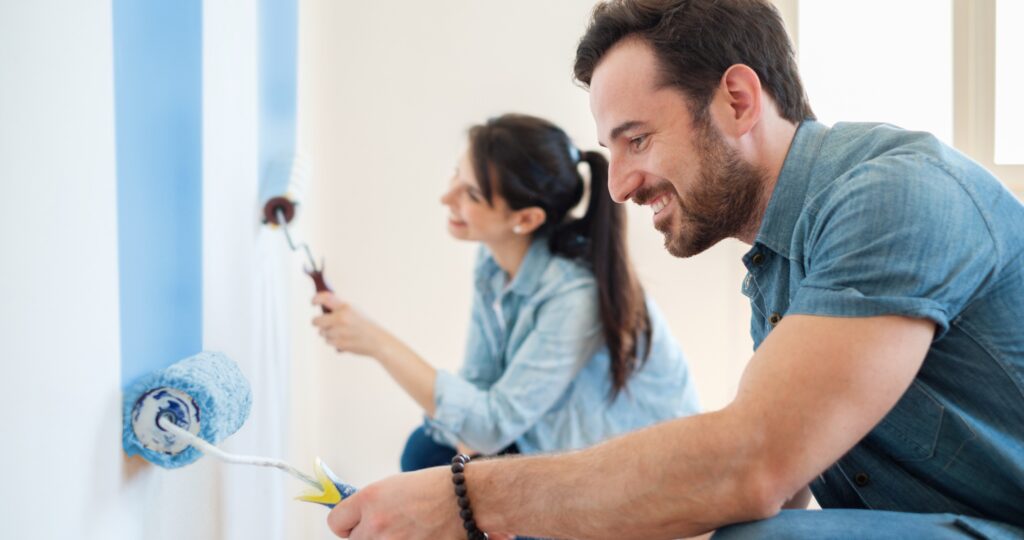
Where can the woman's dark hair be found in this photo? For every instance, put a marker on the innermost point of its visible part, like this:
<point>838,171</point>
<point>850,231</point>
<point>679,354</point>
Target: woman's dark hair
<point>696,41</point>
<point>532,162</point>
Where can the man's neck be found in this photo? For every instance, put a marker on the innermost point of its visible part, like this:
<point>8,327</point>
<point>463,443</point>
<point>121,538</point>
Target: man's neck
<point>773,146</point>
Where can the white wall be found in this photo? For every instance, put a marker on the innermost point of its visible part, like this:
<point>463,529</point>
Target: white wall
<point>65,475</point>
<point>60,387</point>
<point>386,94</point>
<point>245,289</point>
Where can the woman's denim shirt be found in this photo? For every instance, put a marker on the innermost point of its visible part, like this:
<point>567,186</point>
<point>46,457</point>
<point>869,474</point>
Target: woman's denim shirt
<point>871,220</point>
<point>536,370</point>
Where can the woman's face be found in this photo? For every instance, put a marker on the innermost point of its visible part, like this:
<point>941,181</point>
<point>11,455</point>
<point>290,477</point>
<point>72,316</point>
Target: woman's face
<point>469,215</point>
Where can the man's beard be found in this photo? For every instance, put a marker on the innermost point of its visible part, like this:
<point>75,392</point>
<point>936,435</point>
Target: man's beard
<point>723,202</point>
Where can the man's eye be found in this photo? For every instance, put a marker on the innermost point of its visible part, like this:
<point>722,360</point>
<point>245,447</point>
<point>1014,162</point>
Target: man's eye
<point>638,142</point>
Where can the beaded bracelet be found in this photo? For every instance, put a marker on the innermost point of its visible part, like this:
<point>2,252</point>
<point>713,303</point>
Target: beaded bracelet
<point>465,512</point>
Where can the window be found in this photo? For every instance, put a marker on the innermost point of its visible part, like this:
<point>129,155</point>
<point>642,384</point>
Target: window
<point>862,61</point>
<point>950,67</point>
<point>1009,110</point>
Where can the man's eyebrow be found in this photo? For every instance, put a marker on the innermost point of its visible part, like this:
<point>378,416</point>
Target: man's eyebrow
<point>625,126</point>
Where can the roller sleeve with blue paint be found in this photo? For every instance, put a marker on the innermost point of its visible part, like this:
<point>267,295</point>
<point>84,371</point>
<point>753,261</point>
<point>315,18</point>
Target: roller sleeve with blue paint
<point>175,415</point>
<point>206,394</point>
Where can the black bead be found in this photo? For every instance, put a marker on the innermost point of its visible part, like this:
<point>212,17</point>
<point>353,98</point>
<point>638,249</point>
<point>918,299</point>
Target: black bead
<point>459,479</point>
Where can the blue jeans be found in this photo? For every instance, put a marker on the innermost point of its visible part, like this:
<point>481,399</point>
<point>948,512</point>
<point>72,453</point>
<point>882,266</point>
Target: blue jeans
<point>422,452</point>
<point>841,523</point>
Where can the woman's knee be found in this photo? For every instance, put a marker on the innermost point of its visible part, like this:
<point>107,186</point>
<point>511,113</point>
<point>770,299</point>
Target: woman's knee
<point>421,452</point>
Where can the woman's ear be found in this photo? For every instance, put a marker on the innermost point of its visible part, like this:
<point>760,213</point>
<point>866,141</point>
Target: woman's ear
<point>527,220</point>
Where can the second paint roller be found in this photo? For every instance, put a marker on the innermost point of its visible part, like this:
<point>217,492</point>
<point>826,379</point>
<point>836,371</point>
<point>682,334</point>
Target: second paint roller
<point>174,415</point>
<point>280,195</point>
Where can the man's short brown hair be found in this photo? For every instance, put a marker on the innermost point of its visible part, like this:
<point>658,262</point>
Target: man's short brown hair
<point>696,41</point>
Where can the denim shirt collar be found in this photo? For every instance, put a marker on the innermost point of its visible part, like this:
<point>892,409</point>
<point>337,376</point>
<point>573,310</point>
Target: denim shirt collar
<point>790,193</point>
<point>527,279</point>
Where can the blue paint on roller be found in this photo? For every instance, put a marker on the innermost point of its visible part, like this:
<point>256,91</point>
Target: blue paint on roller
<point>218,400</point>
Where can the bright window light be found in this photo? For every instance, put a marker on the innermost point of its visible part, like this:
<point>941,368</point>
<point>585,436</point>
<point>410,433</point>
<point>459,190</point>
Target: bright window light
<point>880,61</point>
<point>1009,82</point>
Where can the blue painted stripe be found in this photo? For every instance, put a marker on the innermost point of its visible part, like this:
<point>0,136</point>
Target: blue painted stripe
<point>158,107</point>
<point>277,93</point>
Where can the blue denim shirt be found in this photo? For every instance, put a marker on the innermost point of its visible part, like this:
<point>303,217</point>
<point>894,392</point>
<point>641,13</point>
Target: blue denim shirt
<point>873,220</point>
<point>536,370</point>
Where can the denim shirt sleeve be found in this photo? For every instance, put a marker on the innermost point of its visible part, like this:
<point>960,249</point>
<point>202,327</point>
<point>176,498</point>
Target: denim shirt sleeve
<point>565,335</point>
<point>481,367</point>
<point>881,244</point>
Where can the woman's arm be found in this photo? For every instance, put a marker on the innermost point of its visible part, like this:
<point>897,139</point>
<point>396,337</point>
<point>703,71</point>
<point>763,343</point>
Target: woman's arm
<point>563,335</point>
<point>347,330</point>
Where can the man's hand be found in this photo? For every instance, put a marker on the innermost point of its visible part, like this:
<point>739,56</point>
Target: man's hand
<point>413,506</point>
<point>417,505</point>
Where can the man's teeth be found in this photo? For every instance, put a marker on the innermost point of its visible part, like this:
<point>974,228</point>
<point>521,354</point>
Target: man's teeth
<point>660,204</point>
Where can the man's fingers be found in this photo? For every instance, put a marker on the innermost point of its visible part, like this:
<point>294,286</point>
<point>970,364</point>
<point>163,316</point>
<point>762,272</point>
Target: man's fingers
<point>344,517</point>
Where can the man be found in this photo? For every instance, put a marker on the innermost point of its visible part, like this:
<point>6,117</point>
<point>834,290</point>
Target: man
<point>886,277</point>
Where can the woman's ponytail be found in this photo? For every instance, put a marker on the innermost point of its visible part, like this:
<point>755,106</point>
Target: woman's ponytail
<point>599,238</point>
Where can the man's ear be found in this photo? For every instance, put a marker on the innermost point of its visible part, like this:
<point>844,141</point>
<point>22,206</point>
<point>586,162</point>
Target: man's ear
<point>737,103</point>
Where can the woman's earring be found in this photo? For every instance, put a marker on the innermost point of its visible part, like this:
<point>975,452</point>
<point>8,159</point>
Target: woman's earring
<point>517,229</point>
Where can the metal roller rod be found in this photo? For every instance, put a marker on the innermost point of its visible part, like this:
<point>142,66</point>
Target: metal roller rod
<point>284,225</point>
<point>212,450</point>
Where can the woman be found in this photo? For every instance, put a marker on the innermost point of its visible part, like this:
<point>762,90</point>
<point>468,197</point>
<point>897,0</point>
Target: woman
<point>564,351</point>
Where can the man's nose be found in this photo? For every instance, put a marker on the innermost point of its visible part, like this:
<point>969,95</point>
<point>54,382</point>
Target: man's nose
<point>622,182</point>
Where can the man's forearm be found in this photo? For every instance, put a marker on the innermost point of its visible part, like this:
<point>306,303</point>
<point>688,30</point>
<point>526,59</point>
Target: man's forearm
<point>801,404</point>
<point>679,478</point>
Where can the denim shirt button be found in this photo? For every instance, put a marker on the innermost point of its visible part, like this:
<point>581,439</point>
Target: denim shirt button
<point>757,259</point>
<point>774,319</point>
<point>862,479</point>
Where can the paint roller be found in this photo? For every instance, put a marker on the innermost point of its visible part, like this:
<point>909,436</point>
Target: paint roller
<point>173,416</point>
<point>280,194</point>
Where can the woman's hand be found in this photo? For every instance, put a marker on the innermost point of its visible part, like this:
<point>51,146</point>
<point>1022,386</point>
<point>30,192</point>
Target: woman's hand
<point>347,330</point>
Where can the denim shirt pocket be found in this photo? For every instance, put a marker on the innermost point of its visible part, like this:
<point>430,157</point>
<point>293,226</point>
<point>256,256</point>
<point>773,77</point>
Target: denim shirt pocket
<point>910,432</point>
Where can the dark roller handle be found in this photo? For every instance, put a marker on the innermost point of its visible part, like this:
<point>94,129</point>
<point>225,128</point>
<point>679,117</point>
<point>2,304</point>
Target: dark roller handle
<point>321,285</point>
